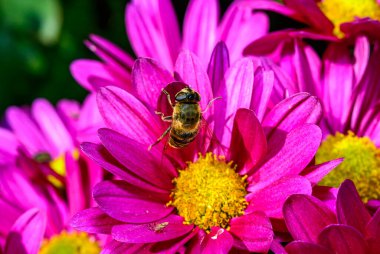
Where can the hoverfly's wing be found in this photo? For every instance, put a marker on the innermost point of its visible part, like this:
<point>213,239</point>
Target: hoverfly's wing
<point>163,104</point>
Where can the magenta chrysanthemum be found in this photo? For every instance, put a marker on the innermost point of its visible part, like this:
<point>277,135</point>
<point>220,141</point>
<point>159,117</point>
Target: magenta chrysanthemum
<point>44,177</point>
<point>346,80</point>
<point>167,200</point>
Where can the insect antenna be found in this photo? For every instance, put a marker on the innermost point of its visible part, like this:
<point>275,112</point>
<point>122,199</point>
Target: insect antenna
<point>209,104</point>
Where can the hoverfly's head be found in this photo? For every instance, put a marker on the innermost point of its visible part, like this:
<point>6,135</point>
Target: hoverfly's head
<point>187,95</point>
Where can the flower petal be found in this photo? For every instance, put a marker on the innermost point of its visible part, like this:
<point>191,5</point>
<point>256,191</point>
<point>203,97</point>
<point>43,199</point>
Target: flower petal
<point>175,245</point>
<point>111,54</point>
<point>338,76</point>
<point>52,126</point>
<point>327,195</point>
<point>219,64</point>
<point>26,131</point>
<point>151,165</point>
<point>13,181</point>
<point>271,198</point>
<point>101,156</point>
<point>292,112</point>
<point>315,173</point>
<point>237,22</point>
<point>149,78</point>
<point>115,247</point>
<point>299,247</point>
<point>239,84</point>
<point>350,208</point>
<point>242,228</point>
<point>83,69</point>
<point>248,142</point>
<point>362,53</point>
<point>77,194</point>
<point>130,204</point>
<point>122,112</point>
<point>312,14</point>
<point>144,29</point>
<point>306,216</point>
<point>200,22</point>
<point>373,226</point>
<point>93,220</point>
<point>287,157</point>
<point>262,90</point>
<point>170,27</point>
<point>8,146</point>
<point>162,230</point>
<point>27,233</point>
<point>238,92</point>
<point>218,240</point>
<point>343,239</point>
<point>267,43</point>
<point>190,70</point>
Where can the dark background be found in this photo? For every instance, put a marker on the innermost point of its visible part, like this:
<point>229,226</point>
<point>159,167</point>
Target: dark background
<point>40,38</point>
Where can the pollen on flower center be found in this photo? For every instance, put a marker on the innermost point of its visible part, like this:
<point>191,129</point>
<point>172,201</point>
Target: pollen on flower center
<point>361,163</point>
<point>70,243</point>
<point>209,193</point>
<point>341,11</point>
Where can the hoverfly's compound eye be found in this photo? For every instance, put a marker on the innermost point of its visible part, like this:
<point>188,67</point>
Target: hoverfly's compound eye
<point>190,97</point>
<point>180,97</point>
<point>197,97</point>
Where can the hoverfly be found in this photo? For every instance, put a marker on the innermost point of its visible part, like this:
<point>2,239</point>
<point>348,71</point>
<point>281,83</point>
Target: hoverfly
<point>186,118</point>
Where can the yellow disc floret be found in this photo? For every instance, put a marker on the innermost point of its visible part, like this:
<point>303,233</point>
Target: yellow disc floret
<point>58,165</point>
<point>342,11</point>
<point>70,243</point>
<point>361,163</point>
<point>209,193</point>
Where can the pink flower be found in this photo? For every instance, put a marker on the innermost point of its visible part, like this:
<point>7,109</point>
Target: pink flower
<point>26,237</point>
<point>346,83</point>
<point>41,165</point>
<point>330,20</point>
<point>26,234</point>
<point>317,229</point>
<point>346,80</point>
<point>153,31</point>
<point>265,162</point>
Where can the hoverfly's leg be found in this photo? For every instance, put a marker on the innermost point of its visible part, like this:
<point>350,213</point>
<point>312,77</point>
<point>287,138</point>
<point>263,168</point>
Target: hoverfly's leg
<point>209,104</point>
<point>160,138</point>
<point>168,96</point>
<point>163,117</point>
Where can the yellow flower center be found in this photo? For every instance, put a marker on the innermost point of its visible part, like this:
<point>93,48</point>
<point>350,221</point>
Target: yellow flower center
<point>58,165</point>
<point>342,11</point>
<point>70,243</point>
<point>361,163</point>
<point>209,193</point>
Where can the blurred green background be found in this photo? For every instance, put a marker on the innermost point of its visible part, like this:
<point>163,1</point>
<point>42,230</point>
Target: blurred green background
<point>40,38</point>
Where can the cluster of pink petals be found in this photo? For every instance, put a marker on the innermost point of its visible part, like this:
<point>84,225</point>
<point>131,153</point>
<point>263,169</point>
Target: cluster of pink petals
<point>153,32</point>
<point>350,229</point>
<point>24,177</point>
<point>26,234</point>
<point>307,11</point>
<point>273,145</point>
<point>345,80</point>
